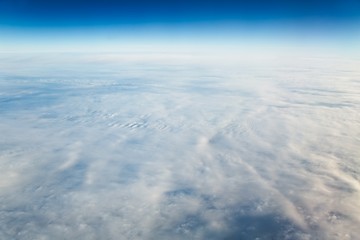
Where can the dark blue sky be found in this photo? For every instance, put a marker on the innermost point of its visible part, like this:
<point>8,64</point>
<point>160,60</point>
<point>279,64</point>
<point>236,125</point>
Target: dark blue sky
<point>77,13</point>
<point>89,24</point>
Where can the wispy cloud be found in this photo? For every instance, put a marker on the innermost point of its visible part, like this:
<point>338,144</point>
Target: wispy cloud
<point>102,147</point>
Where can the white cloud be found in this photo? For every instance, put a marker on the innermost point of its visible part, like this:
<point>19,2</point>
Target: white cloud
<point>155,148</point>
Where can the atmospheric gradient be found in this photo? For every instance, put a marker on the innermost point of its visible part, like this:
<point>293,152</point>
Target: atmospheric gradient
<point>180,119</point>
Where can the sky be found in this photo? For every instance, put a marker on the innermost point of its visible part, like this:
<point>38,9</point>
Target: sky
<point>41,13</point>
<point>39,23</point>
<point>136,136</point>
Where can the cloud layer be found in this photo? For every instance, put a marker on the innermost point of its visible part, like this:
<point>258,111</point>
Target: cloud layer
<point>161,146</point>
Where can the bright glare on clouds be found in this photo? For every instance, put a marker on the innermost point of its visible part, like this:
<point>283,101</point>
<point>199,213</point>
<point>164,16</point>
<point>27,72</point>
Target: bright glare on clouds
<point>179,147</point>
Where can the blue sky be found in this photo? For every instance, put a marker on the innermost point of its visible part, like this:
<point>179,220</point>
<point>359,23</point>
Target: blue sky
<point>32,23</point>
<point>43,13</point>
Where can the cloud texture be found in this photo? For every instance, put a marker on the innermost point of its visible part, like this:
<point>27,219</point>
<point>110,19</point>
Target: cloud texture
<point>117,146</point>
